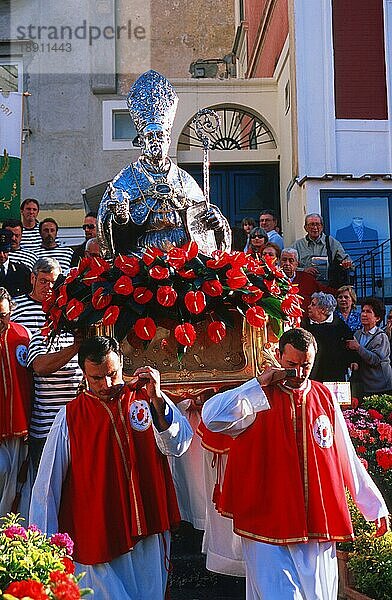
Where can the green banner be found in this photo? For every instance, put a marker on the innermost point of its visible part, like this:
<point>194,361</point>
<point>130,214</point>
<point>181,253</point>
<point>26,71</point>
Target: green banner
<point>10,154</point>
<point>9,187</point>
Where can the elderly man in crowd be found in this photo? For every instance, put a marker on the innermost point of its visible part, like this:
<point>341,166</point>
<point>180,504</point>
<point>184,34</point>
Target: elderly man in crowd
<point>269,221</point>
<point>121,523</point>
<point>313,252</point>
<point>333,359</point>
<point>15,402</point>
<point>285,480</point>
<point>306,283</point>
<point>28,311</point>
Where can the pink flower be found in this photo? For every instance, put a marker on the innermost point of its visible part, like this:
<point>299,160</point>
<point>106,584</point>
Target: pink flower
<point>385,432</point>
<point>62,540</point>
<point>15,530</point>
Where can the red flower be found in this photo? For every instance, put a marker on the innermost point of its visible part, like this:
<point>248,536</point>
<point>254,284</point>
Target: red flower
<point>123,286</point>
<point>128,265</point>
<point>111,315</point>
<point>27,588</point>
<point>166,295</point>
<point>142,295</point>
<point>49,301</point>
<point>236,279</point>
<point>55,315</point>
<point>219,259</point>
<point>256,316</point>
<point>384,458</point>
<point>100,299</point>
<point>145,328</point>
<point>92,276</point>
<point>187,273</point>
<point>151,254</point>
<point>74,309</point>
<point>62,297</point>
<point>291,307</point>
<point>238,260</point>
<point>99,265</point>
<point>375,414</point>
<point>273,287</point>
<point>68,565</point>
<point>191,250</point>
<point>63,587</point>
<point>253,296</point>
<point>361,449</point>
<point>177,257</point>
<point>212,287</point>
<point>72,275</point>
<point>159,272</point>
<point>216,331</point>
<point>47,328</point>
<point>384,431</point>
<point>195,302</point>
<point>84,264</point>
<point>185,334</point>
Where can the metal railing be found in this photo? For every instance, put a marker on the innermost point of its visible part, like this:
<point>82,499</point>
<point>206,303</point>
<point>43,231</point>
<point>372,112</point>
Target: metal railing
<point>373,273</point>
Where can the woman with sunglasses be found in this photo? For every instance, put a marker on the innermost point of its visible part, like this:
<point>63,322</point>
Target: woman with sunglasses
<point>257,240</point>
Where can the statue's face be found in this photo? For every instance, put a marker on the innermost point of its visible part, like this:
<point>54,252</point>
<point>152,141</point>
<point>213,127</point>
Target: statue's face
<point>156,143</point>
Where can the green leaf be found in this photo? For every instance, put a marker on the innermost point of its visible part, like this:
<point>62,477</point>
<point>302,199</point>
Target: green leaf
<point>272,307</point>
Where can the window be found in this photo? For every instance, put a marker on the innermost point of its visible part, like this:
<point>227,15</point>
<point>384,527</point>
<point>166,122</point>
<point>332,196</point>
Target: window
<point>11,75</point>
<point>119,131</point>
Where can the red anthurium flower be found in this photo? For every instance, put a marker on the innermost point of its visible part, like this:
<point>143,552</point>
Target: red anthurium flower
<point>145,328</point>
<point>236,279</point>
<point>55,315</point>
<point>216,331</point>
<point>74,309</point>
<point>212,287</point>
<point>100,299</point>
<point>187,273</point>
<point>291,306</point>
<point>191,249</point>
<point>254,295</point>
<point>159,272</point>
<point>99,264</point>
<point>255,315</point>
<point>151,254</point>
<point>84,264</point>
<point>123,286</point>
<point>195,302</point>
<point>49,301</point>
<point>129,265</point>
<point>74,272</point>
<point>166,295</point>
<point>185,334</point>
<point>177,257</point>
<point>111,315</point>
<point>62,297</point>
<point>272,287</point>
<point>218,260</point>
<point>47,328</point>
<point>142,295</point>
<point>92,276</point>
<point>238,259</point>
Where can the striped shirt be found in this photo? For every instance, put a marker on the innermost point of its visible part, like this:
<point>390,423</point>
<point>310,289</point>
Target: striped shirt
<point>61,253</point>
<point>26,257</point>
<point>31,238</point>
<point>28,312</point>
<point>53,391</point>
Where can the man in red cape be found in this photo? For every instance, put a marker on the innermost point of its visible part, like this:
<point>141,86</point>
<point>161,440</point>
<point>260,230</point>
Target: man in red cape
<point>104,477</point>
<point>286,474</point>
<point>15,402</point>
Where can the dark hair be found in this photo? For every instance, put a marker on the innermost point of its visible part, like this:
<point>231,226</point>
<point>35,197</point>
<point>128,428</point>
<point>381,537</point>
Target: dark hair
<point>269,211</point>
<point>96,348</point>
<point>48,220</point>
<point>248,221</point>
<point>377,306</point>
<point>299,338</point>
<point>260,231</point>
<point>92,213</point>
<point>27,200</point>
<point>12,223</point>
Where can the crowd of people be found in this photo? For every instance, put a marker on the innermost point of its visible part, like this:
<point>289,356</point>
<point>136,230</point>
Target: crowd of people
<point>92,462</point>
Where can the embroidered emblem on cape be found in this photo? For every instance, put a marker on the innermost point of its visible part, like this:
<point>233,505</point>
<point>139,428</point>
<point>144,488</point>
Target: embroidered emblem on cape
<point>323,432</point>
<point>140,415</point>
<point>21,355</point>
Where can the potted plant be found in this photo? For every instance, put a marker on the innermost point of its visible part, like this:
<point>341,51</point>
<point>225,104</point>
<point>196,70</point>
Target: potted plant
<point>35,567</point>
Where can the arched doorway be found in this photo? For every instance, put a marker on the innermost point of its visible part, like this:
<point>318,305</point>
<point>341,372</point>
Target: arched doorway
<point>241,183</point>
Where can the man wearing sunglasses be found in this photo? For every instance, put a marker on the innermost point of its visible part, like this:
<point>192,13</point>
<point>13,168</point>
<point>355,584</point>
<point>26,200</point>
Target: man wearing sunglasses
<point>89,228</point>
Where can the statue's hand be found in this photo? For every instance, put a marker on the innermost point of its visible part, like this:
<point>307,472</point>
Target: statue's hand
<point>118,204</point>
<point>212,219</point>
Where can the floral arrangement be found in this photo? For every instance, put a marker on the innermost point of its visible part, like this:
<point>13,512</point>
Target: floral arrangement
<point>141,292</point>
<point>35,567</point>
<point>372,439</point>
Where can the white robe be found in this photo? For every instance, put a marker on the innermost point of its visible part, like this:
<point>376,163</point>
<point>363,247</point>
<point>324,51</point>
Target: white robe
<point>141,572</point>
<point>296,571</point>
<point>13,452</point>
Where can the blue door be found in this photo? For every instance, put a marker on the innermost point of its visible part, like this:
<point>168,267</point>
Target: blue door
<point>241,190</point>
